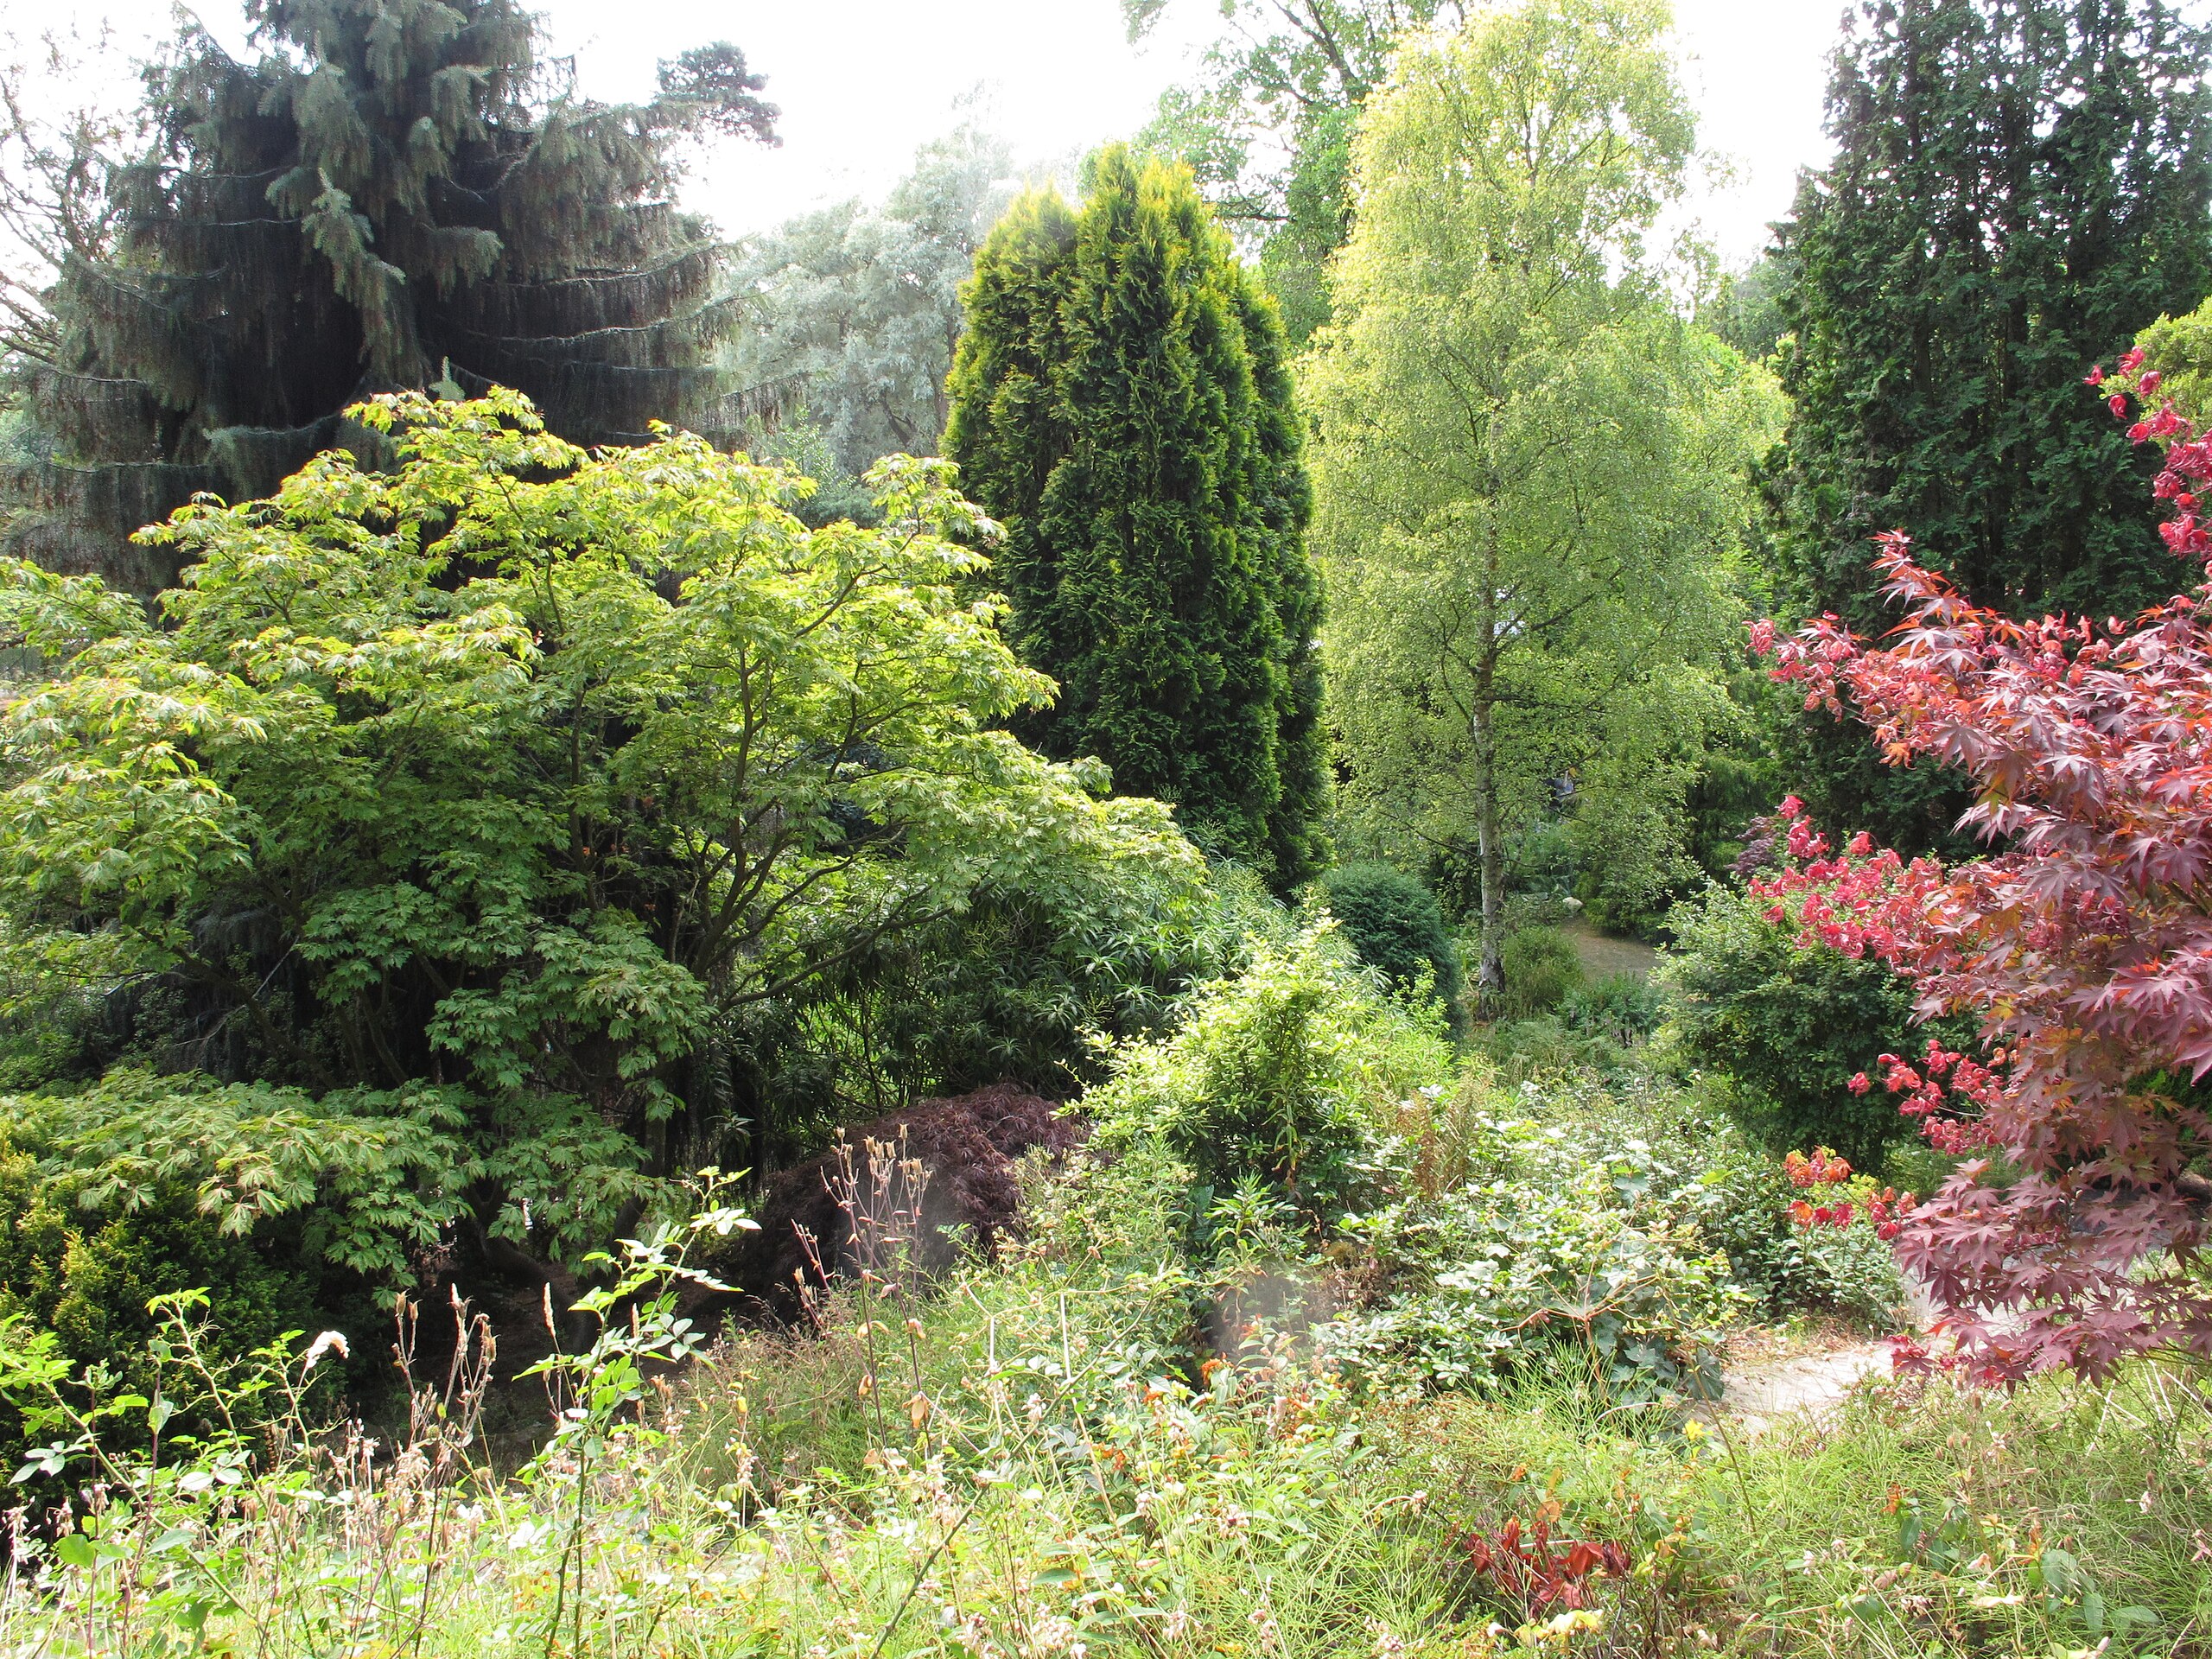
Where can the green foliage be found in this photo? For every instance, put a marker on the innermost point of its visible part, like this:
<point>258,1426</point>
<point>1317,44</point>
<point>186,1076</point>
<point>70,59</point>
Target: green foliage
<point>1019,985</point>
<point>1394,923</point>
<point>1530,474</point>
<point>2180,349</point>
<point>787,1488</point>
<point>1121,403</point>
<point>1600,1029</point>
<point>1847,1272</point>
<point>1283,1074</point>
<point>855,312</point>
<point>2018,188</point>
<point>534,771</point>
<point>1624,1006</point>
<point>1746,309</point>
<point>1266,126</point>
<point>1784,1028</point>
<point>1542,968</point>
<point>1561,1258</point>
<point>395,196</point>
<point>82,1267</point>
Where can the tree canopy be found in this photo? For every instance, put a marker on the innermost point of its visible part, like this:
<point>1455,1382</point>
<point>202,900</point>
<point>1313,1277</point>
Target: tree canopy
<point>504,785</point>
<point>390,197</point>
<point>1122,404</point>
<point>2080,945</point>
<point>854,312</point>
<point>1266,127</point>
<point>1529,471</point>
<point>2019,185</point>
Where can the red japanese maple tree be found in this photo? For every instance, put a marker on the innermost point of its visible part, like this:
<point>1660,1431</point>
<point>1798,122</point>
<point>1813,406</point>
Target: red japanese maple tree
<point>2082,942</point>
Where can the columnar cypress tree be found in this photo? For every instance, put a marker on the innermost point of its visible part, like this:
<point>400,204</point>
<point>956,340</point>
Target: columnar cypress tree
<point>1120,403</point>
<point>2020,186</point>
<point>396,195</point>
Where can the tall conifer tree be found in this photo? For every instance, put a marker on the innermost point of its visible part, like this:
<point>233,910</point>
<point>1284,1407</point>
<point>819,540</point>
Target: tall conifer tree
<point>1122,404</point>
<point>396,195</point>
<point>2020,186</point>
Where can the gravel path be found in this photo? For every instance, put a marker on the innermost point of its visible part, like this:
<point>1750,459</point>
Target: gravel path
<point>1755,1397</point>
<point>1757,1392</point>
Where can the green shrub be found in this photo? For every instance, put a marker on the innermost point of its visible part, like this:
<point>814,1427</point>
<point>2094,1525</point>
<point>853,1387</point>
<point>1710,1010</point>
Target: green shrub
<point>1598,1029</point>
<point>1788,1026</point>
<point>1621,1008</point>
<point>86,1273</point>
<point>416,779</point>
<point>1541,968</point>
<point>1574,1258</point>
<point>1394,925</point>
<point>1286,1073</point>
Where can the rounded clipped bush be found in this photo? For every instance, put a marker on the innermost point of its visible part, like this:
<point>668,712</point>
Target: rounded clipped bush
<point>1396,924</point>
<point>1541,968</point>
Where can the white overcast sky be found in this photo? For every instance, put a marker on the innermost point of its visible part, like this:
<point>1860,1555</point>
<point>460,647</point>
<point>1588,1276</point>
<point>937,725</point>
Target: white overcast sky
<point>862,82</point>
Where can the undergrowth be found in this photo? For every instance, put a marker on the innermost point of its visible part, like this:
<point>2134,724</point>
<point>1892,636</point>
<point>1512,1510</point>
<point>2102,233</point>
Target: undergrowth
<point>1442,1403</point>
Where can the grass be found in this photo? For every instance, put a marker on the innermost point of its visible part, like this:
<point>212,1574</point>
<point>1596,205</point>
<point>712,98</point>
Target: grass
<point>1915,1519</point>
<point>1034,1460</point>
<point>1025,1476</point>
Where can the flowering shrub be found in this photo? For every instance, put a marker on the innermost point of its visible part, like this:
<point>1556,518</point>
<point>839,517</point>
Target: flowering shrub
<point>2084,948</point>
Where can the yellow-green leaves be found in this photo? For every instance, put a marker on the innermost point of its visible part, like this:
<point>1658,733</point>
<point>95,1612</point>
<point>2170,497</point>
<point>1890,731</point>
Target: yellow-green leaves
<point>1530,473</point>
<point>526,770</point>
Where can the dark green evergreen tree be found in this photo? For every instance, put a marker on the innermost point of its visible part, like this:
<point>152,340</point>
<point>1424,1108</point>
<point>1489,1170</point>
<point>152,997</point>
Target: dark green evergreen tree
<point>399,194</point>
<point>1122,404</point>
<point>2020,186</point>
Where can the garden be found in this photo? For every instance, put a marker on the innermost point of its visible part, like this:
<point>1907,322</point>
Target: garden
<point>1292,896</point>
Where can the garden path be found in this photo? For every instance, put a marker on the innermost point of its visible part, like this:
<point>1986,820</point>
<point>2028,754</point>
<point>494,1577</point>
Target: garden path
<point>1759,1388</point>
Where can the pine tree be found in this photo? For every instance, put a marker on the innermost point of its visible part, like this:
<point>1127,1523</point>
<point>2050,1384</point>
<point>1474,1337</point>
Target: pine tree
<point>2020,186</point>
<point>396,195</point>
<point>1121,403</point>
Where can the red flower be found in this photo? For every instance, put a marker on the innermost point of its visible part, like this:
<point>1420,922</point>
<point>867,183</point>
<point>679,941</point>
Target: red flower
<point>1860,1084</point>
<point>2117,403</point>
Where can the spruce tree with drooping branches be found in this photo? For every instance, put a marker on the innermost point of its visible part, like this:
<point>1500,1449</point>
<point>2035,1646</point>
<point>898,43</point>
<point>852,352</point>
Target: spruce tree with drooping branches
<point>401,196</point>
<point>1121,402</point>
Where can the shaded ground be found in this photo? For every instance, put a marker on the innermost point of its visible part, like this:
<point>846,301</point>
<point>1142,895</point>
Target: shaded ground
<point>1606,956</point>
